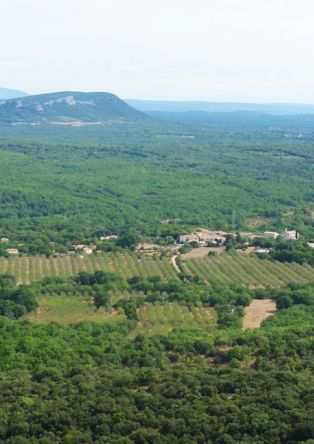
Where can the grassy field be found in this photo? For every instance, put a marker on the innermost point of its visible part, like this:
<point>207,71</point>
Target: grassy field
<point>30,269</point>
<point>70,310</point>
<point>162,319</point>
<point>247,270</point>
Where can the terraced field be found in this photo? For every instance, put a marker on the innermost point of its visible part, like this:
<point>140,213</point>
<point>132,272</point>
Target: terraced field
<point>247,270</point>
<point>30,269</point>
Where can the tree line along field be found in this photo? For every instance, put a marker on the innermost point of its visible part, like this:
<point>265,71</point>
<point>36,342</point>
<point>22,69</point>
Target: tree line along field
<point>228,269</point>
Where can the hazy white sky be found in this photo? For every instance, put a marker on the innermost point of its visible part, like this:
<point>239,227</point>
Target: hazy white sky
<point>220,50</point>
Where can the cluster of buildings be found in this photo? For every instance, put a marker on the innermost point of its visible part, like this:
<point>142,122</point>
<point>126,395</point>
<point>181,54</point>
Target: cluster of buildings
<point>205,237</point>
<point>89,249</point>
<point>286,235</point>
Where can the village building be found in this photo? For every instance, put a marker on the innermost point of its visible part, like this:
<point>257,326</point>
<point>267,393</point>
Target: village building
<point>12,251</point>
<point>271,234</point>
<point>290,235</point>
<point>202,238</point>
<point>87,250</point>
<point>4,240</point>
<point>263,250</point>
<point>186,238</point>
<point>109,238</point>
<point>78,247</point>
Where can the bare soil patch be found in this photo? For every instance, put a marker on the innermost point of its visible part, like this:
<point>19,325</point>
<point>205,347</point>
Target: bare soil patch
<point>202,252</point>
<point>257,311</point>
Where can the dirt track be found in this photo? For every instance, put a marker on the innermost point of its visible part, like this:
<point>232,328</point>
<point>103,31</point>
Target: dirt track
<point>202,252</point>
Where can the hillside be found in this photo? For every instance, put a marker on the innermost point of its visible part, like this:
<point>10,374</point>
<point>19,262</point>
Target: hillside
<point>6,93</point>
<point>67,108</point>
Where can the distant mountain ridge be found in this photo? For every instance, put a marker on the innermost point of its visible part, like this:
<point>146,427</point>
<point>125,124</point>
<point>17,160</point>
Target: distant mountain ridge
<point>7,93</point>
<point>67,108</point>
<point>220,107</point>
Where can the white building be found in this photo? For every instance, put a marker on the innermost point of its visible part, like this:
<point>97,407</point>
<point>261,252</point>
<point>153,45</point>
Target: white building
<point>109,238</point>
<point>290,235</point>
<point>87,250</point>
<point>5,240</point>
<point>12,251</point>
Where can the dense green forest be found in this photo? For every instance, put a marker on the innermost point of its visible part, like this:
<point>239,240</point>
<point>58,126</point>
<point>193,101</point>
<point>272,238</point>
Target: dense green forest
<point>97,383</point>
<point>122,347</point>
<point>74,184</point>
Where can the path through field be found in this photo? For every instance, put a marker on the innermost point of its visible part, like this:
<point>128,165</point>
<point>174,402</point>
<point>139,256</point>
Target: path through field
<point>257,311</point>
<point>174,263</point>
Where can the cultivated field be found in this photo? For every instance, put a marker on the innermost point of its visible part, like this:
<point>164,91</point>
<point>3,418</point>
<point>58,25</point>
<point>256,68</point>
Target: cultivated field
<point>223,269</point>
<point>247,270</point>
<point>153,318</point>
<point>30,269</point>
<point>67,310</point>
<point>162,319</point>
<point>257,312</point>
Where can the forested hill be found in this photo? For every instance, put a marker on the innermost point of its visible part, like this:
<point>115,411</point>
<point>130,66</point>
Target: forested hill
<point>67,108</point>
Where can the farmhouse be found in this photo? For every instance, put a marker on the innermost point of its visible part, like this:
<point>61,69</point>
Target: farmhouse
<point>4,240</point>
<point>78,247</point>
<point>12,251</point>
<point>109,238</point>
<point>186,238</point>
<point>87,250</point>
<point>263,250</point>
<point>290,235</point>
<point>271,234</point>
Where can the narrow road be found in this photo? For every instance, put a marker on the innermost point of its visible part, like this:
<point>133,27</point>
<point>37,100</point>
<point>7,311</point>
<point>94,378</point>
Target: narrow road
<point>174,263</point>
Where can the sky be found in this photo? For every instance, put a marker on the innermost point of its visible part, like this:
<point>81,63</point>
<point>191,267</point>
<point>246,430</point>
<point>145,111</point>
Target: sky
<point>211,50</point>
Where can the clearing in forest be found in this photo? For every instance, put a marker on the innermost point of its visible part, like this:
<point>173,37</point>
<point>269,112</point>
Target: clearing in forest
<point>257,311</point>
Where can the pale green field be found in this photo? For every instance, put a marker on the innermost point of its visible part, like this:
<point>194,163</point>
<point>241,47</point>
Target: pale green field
<point>153,318</point>
<point>162,319</point>
<point>67,310</point>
